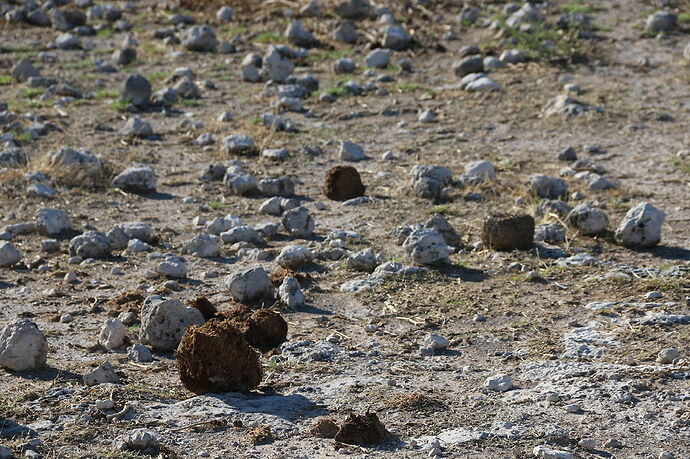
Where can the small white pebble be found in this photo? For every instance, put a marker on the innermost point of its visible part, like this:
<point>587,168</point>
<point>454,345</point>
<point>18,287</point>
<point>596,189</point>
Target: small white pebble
<point>71,277</point>
<point>66,318</point>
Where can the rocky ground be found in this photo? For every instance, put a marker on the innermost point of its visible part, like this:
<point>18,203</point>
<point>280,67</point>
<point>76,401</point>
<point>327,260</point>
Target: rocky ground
<point>499,266</point>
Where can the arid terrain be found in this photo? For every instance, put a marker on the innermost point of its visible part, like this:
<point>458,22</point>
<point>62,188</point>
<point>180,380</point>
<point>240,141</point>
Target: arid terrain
<point>165,165</point>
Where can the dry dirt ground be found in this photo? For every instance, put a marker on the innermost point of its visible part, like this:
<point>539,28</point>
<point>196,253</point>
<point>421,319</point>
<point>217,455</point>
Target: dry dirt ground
<point>631,406</point>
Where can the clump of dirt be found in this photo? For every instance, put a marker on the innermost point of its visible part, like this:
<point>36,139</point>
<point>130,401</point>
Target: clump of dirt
<point>260,435</point>
<point>324,428</point>
<point>279,276</point>
<point>364,429</point>
<point>412,401</point>
<point>125,302</point>
<point>264,329</point>
<point>343,183</point>
<point>207,309</point>
<point>508,232</point>
<point>215,357</point>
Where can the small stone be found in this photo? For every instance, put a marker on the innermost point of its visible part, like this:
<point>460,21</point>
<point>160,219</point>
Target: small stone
<point>298,222</point>
<point>499,383</point>
<point>294,256</point>
<point>105,373</point>
<point>173,267</point>
<point>572,408</point>
<point>587,220</point>
<point>290,293</point>
<point>546,452</point>
<point>90,244</point>
<point>588,444</point>
<point>136,90</point>
<point>113,334</point>
<point>70,277</point>
<point>250,285</point>
<point>668,356</point>
<point>139,353</point>
<point>200,38</point>
<point>9,255</point>
<point>351,152</point>
<point>52,222</point>
<point>378,58</point>
<point>137,127</point>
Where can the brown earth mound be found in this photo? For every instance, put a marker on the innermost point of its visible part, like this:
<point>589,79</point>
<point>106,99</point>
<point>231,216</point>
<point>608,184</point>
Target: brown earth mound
<point>264,329</point>
<point>508,232</point>
<point>343,183</point>
<point>215,357</point>
<point>365,429</point>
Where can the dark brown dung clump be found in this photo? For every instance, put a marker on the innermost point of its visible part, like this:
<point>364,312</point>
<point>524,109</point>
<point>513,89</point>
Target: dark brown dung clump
<point>215,357</point>
<point>508,232</point>
<point>264,329</point>
<point>365,429</point>
<point>343,183</point>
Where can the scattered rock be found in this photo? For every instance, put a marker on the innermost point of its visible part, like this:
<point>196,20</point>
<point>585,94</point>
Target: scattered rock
<point>298,222</point>
<point>9,255</point>
<point>23,347</point>
<point>426,247</point>
<point>250,284</point>
<point>499,383</point>
<point>163,322</point>
<point>105,373</point>
<point>587,220</point>
<point>641,226</point>
<point>137,179</point>
<point>113,334</point>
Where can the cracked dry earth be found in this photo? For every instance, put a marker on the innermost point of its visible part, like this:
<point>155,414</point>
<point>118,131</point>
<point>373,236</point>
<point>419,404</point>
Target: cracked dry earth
<point>578,325</point>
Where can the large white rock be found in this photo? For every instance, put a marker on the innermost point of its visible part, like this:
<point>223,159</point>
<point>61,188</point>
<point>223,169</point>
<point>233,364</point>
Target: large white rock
<point>163,322</point>
<point>113,334</point>
<point>22,346</point>
<point>426,247</point>
<point>248,285</point>
<point>641,226</point>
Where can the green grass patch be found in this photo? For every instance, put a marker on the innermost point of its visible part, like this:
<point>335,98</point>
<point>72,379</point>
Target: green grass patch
<point>443,209</point>
<point>328,55</point>
<point>545,43</point>
<point>684,18</point>
<point>409,87</point>
<point>105,32</point>
<point>105,94</point>
<point>578,6</point>
<point>22,136</point>
<point>31,93</point>
<point>38,104</point>
<point>216,205</point>
<point>231,30</point>
<point>158,75</point>
<point>681,165</point>
<point>269,37</point>
<point>119,105</point>
<point>6,80</point>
